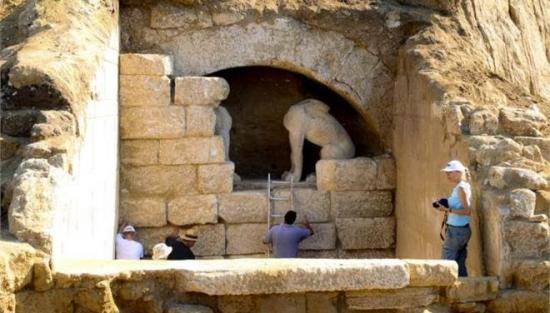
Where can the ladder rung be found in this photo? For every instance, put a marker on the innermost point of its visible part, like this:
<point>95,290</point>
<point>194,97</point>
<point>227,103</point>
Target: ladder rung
<point>279,199</point>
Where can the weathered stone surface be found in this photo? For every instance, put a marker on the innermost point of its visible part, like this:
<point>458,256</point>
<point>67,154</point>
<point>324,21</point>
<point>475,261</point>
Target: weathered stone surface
<point>527,240</point>
<point>483,121</point>
<point>522,203</point>
<point>189,210</point>
<point>543,202</point>
<point>248,256</point>
<point>139,152</point>
<point>469,307</point>
<point>385,172</point>
<point>346,175</point>
<point>150,236</point>
<point>201,121</point>
<point>171,15</point>
<point>366,233</point>
<point>522,122</point>
<point>42,275</point>
<point>7,303</point>
<point>361,203</point>
<point>291,303</point>
<point>519,301</point>
<point>318,254</point>
<point>366,254</point>
<point>245,238</point>
<point>424,273</point>
<point>532,274</point>
<point>542,142</point>
<point>322,302</point>
<point>216,178</point>
<point>390,299</point>
<point>16,265</point>
<point>471,289</point>
<point>160,180</point>
<point>145,64</point>
<point>194,150</point>
<point>56,300</point>
<point>8,147</point>
<point>307,202</point>
<point>237,304</point>
<point>189,308</point>
<point>142,90</point>
<point>324,238</point>
<point>201,91</point>
<point>503,177</point>
<point>243,207</point>
<point>143,212</point>
<point>211,240</point>
<point>152,122</point>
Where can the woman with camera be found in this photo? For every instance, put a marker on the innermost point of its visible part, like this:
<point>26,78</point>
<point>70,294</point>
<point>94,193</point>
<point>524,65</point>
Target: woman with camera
<point>457,210</point>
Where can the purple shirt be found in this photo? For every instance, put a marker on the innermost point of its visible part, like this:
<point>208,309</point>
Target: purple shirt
<point>285,239</point>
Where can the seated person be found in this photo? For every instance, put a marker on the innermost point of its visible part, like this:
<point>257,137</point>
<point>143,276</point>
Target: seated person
<point>126,246</point>
<point>161,251</point>
<point>286,237</point>
<point>181,246</point>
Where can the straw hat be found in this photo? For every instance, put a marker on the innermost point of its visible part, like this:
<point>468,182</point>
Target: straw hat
<point>189,235</point>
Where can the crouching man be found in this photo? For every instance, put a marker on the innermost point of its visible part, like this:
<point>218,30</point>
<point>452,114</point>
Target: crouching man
<point>126,245</point>
<point>286,237</point>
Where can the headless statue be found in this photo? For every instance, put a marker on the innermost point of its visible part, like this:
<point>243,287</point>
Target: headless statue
<point>309,119</point>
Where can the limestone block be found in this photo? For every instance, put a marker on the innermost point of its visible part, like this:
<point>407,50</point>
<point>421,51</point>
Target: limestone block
<point>248,256</point>
<point>471,289</point>
<point>168,15</point>
<point>160,180</point>
<point>318,254</point>
<point>346,175</point>
<point>361,203</point>
<point>542,142</point>
<point>307,202</point>
<point>366,254</point>
<point>201,121</point>
<point>245,238</point>
<point>522,122</point>
<point>139,152</point>
<point>424,273</point>
<point>193,150</point>
<point>288,303</point>
<point>527,240</point>
<point>42,275</point>
<point>189,210</point>
<point>152,122</point>
<point>150,236</point>
<point>143,212</point>
<point>522,203</point>
<point>211,240</point>
<point>390,299</point>
<point>243,207</point>
<point>144,90</point>
<point>543,202</point>
<point>201,91</point>
<point>385,172</point>
<point>7,303</point>
<point>216,178</point>
<point>189,308</point>
<point>237,304</point>
<point>366,233</point>
<point>483,121</point>
<point>519,301</point>
<point>469,307</point>
<point>55,300</point>
<point>145,64</point>
<point>16,265</point>
<point>324,238</point>
<point>326,302</point>
<point>505,177</point>
<point>532,274</point>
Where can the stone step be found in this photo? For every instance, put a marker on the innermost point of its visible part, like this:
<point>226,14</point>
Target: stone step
<point>189,308</point>
<point>519,301</point>
<point>532,274</point>
<point>472,289</point>
<point>390,299</point>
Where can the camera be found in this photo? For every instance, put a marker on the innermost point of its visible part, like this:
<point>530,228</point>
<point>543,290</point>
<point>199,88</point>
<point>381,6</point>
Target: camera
<point>441,202</point>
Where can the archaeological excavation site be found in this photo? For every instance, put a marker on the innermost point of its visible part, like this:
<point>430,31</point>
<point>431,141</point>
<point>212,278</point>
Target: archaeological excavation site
<point>212,119</point>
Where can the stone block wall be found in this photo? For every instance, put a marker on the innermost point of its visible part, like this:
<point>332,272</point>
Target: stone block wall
<point>174,173</point>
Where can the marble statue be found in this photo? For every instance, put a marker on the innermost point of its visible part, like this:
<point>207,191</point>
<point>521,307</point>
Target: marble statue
<point>310,119</point>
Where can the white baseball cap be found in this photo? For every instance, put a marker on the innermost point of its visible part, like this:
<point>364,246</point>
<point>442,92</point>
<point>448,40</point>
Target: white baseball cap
<point>161,251</point>
<point>454,166</point>
<point>129,229</point>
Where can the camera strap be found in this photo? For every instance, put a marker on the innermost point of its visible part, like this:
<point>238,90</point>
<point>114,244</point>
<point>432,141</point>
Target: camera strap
<point>443,230</point>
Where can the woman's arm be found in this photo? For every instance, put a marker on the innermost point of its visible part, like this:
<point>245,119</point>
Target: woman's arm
<point>466,209</point>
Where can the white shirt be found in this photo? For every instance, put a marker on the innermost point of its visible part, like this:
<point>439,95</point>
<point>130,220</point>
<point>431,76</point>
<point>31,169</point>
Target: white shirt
<point>128,249</point>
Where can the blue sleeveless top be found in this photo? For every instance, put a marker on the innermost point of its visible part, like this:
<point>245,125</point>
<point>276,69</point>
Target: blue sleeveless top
<point>454,204</point>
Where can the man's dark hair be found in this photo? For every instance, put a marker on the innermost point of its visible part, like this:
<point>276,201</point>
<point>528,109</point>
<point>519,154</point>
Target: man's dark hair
<point>290,217</point>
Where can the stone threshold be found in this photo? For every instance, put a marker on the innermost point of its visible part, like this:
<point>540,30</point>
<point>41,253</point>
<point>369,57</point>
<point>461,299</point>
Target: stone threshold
<point>265,276</point>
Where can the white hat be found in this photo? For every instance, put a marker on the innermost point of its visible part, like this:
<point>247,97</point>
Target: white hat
<point>454,166</point>
<point>161,251</point>
<point>129,229</point>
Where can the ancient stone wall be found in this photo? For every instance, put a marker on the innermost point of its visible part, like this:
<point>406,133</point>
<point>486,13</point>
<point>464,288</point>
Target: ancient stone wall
<point>174,172</point>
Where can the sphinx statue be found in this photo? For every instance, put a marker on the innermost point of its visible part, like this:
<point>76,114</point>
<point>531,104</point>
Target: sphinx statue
<point>310,120</point>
